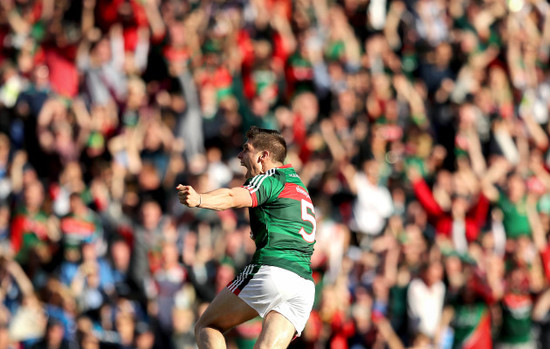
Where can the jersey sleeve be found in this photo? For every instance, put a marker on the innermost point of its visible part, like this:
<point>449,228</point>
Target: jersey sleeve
<point>263,188</point>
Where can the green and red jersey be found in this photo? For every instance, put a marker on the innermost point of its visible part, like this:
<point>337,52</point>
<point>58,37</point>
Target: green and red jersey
<point>28,229</point>
<point>516,318</point>
<point>282,220</point>
<point>515,219</point>
<point>472,326</point>
<point>79,229</point>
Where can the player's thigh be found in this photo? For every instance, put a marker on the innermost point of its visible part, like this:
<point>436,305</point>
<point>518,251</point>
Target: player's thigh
<point>225,312</point>
<point>277,332</point>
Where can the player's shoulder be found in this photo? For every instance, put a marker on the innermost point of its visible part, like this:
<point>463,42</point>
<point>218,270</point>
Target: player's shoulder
<point>276,174</point>
<point>286,174</point>
<point>289,175</point>
<point>260,179</point>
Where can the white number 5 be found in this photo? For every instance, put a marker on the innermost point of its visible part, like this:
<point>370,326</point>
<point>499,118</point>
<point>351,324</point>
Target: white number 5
<point>306,216</point>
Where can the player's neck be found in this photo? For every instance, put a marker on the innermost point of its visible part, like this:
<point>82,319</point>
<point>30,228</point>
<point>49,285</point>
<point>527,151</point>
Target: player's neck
<point>268,165</point>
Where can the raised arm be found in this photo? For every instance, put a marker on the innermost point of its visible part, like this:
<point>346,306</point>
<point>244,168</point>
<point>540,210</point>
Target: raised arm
<point>479,166</point>
<point>88,19</point>
<point>158,28</point>
<point>423,193</point>
<point>536,132</point>
<point>218,200</point>
<point>497,170</point>
<point>281,24</point>
<point>142,49</point>
<point>19,276</point>
<point>116,40</point>
<point>46,138</point>
<point>391,29</point>
<point>541,307</point>
<point>537,229</point>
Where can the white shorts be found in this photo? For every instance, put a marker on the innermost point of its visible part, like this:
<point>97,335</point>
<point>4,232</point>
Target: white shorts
<point>266,288</point>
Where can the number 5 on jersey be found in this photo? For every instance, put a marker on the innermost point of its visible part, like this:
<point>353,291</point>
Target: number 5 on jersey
<point>309,217</point>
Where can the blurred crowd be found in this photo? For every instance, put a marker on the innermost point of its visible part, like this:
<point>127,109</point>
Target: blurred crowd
<point>420,128</point>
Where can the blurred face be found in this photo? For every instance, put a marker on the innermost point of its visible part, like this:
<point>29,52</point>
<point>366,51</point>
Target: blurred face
<point>145,340</point>
<point>25,59</point>
<point>250,159</point>
<point>467,115</point>
<point>151,214</point>
<point>29,176</point>
<point>72,174</point>
<point>453,266</point>
<point>40,75</point>
<point>259,106</point>
<point>347,102</point>
<point>125,327</point>
<point>469,42</point>
<point>360,317</point>
<point>55,334</point>
<point>34,195</point>
<point>90,342</point>
<point>381,83</point>
<point>516,188</point>
<point>136,93</point>
<point>460,204</point>
<point>445,181</point>
<point>149,177</point>
<point>371,170</point>
<point>89,252</point>
<point>120,252</point>
<point>434,273</point>
<point>103,51</point>
<point>76,204</point>
<point>153,136</point>
<point>497,77</point>
<point>444,53</point>
<point>169,254</point>
<point>518,280</point>
<point>309,107</point>
<point>177,34</point>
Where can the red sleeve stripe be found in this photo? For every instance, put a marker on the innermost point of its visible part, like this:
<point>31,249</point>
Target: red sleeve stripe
<point>254,199</point>
<point>252,195</point>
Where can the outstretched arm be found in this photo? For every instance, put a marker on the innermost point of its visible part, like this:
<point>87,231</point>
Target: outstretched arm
<point>219,199</point>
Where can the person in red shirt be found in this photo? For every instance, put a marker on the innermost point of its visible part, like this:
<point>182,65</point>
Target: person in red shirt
<point>465,213</point>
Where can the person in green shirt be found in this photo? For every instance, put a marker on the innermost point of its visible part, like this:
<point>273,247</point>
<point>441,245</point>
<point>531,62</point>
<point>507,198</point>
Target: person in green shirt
<point>278,284</point>
<point>512,204</point>
<point>516,307</point>
<point>468,314</point>
<point>512,201</point>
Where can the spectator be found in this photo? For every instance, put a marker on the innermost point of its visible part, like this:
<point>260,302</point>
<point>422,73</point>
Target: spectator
<point>54,337</point>
<point>81,225</point>
<point>425,298</point>
<point>373,205</point>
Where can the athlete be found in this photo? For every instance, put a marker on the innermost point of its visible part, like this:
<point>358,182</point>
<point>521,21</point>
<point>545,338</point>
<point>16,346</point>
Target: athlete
<point>277,285</point>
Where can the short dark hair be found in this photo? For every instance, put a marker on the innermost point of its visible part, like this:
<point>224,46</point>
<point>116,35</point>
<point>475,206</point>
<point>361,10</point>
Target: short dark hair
<point>271,140</point>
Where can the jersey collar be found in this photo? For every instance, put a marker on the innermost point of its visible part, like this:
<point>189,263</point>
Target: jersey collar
<point>285,166</point>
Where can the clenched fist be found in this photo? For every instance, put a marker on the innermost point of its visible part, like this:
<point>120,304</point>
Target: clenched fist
<point>188,196</point>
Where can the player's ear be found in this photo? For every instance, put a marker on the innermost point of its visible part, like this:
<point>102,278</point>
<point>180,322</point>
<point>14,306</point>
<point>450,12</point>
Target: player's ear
<point>264,155</point>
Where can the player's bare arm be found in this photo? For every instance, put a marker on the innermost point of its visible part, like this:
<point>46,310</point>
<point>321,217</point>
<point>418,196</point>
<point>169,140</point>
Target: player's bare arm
<point>219,199</point>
